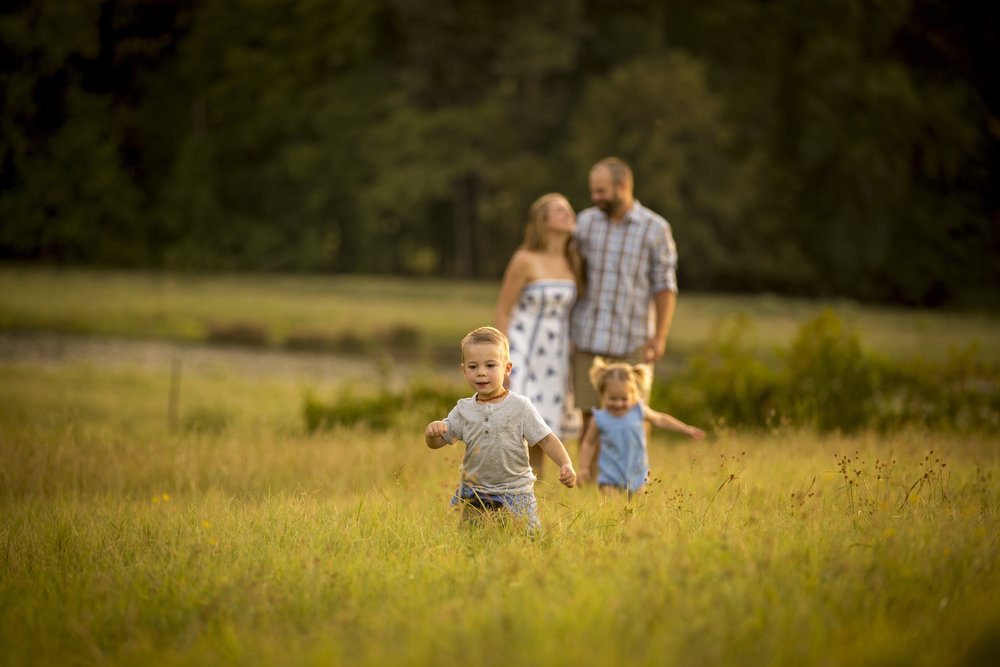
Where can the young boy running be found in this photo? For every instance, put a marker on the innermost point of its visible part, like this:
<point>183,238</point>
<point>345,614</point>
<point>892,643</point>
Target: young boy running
<point>497,427</point>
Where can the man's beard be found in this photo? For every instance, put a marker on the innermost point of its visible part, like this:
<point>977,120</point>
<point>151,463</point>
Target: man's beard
<point>609,205</point>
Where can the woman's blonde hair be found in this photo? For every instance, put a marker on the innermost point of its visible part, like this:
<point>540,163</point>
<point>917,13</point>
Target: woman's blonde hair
<point>487,335</point>
<point>637,377</point>
<point>536,240</point>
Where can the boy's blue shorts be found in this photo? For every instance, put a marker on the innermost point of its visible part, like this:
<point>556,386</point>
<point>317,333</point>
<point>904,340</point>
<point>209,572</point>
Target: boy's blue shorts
<point>523,505</point>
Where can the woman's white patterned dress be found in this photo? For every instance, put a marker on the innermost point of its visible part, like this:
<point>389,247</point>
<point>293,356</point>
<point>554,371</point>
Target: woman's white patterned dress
<point>539,348</point>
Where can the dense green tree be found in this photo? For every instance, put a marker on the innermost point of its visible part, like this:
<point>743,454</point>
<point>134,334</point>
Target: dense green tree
<point>272,98</point>
<point>866,164</point>
<point>63,177</point>
<point>849,149</point>
<point>78,168</point>
<point>660,116</point>
<point>461,154</point>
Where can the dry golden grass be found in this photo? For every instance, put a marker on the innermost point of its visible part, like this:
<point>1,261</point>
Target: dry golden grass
<point>239,537</point>
<point>213,527</point>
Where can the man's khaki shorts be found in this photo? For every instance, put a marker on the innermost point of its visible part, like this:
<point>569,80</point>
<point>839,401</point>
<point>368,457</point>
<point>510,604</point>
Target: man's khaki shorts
<point>584,395</point>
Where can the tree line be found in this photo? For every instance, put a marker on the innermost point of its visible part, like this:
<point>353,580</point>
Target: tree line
<point>831,149</point>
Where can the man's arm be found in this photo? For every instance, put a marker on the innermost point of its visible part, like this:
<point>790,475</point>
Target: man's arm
<point>665,302</point>
<point>663,281</point>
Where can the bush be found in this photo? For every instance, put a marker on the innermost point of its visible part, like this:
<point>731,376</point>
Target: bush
<point>312,341</point>
<point>960,395</point>
<point>238,333</point>
<point>724,384</point>
<point>826,381</point>
<point>422,401</point>
<point>401,338</point>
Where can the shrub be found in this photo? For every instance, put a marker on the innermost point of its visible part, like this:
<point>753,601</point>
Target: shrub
<point>961,395</point>
<point>825,380</point>
<point>422,401</point>
<point>828,380</point>
<point>724,384</point>
<point>402,337</point>
<point>311,341</point>
<point>239,333</point>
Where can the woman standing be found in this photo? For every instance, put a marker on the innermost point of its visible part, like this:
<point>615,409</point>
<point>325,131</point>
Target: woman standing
<point>540,285</point>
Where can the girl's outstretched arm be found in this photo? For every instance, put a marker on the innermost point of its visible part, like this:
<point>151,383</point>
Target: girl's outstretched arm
<point>555,450</point>
<point>433,433</point>
<point>665,421</point>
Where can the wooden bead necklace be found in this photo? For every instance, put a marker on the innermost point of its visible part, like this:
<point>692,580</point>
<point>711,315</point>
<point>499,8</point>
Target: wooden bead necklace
<point>492,398</point>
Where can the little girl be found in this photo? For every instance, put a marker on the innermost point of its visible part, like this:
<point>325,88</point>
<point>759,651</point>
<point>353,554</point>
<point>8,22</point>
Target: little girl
<point>620,428</point>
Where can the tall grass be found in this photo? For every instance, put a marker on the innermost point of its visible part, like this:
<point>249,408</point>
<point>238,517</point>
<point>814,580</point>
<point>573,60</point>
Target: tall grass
<point>237,535</point>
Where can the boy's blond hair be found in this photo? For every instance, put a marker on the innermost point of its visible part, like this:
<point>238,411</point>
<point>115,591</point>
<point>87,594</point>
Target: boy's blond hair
<point>488,335</point>
<point>638,376</point>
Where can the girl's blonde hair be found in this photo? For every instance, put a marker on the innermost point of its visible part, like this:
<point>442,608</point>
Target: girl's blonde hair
<point>487,335</point>
<point>637,377</point>
<point>536,240</point>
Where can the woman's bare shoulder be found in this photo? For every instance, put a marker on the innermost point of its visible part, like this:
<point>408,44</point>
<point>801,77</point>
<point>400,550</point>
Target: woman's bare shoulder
<point>524,262</point>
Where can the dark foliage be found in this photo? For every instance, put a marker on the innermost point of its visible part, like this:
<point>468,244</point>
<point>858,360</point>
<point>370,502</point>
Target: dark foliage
<point>849,150</point>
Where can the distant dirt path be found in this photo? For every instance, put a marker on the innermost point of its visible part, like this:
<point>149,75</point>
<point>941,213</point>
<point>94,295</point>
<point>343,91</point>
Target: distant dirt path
<point>155,355</point>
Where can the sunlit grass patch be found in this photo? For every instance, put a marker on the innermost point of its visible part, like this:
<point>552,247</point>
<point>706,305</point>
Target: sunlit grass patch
<point>256,541</point>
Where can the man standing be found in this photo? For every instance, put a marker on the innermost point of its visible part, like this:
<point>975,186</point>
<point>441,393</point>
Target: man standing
<point>628,306</point>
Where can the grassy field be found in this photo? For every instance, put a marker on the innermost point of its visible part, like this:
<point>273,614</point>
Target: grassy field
<point>234,535</point>
<point>352,309</point>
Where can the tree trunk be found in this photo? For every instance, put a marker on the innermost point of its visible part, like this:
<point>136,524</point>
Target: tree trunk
<point>466,192</point>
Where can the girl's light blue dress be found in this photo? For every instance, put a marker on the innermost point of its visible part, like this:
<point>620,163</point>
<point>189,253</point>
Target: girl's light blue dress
<point>623,461</point>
